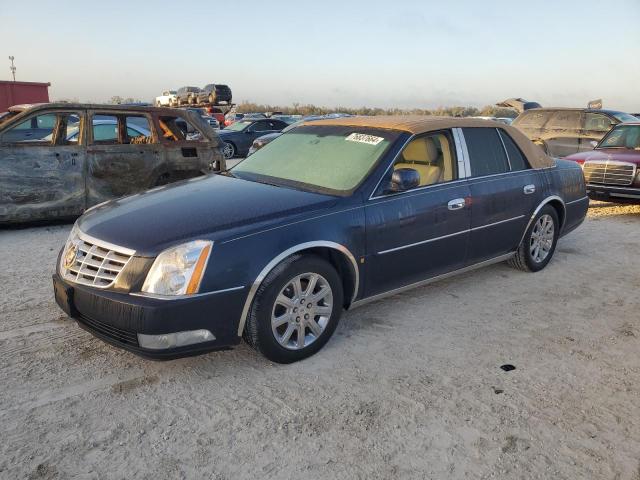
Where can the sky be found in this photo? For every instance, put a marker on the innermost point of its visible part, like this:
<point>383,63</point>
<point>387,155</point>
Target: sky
<point>392,53</point>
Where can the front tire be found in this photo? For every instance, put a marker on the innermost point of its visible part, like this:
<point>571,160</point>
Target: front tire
<point>539,242</point>
<point>296,309</point>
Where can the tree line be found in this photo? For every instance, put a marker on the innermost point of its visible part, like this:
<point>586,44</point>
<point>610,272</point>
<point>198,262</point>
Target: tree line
<point>308,109</point>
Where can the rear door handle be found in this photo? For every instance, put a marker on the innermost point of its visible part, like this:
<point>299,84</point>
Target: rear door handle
<point>456,204</point>
<point>529,189</point>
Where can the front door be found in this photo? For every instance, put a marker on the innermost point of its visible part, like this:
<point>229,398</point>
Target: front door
<point>43,178</point>
<point>504,193</point>
<point>562,135</point>
<point>422,232</point>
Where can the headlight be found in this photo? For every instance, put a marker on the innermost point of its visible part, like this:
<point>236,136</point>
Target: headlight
<point>178,270</point>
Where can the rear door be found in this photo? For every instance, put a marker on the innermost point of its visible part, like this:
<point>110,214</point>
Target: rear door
<point>562,133</point>
<point>43,178</point>
<point>504,192</point>
<point>123,155</point>
<point>423,232</point>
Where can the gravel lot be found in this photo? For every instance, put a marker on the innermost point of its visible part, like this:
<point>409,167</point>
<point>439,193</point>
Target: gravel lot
<point>409,387</point>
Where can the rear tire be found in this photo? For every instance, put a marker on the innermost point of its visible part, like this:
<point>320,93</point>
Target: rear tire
<point>296,309</point>
<point>228,150</point>
<point>539,242</point>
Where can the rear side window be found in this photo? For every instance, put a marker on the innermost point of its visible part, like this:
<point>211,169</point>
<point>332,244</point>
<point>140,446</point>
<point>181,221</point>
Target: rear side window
<point>516,158</point>
<point>565,120</point>
<point>486,154</point>
<point>532,119</point>
<point>105,128</point>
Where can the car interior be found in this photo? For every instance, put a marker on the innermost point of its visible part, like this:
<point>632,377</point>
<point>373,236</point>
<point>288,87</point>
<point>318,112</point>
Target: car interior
<point>431,157</point>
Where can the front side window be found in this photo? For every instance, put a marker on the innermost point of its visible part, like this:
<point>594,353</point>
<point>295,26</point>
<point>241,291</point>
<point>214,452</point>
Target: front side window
<point>623,136</point>
<point>597,122</point>
<point>431,156</point>
<point>486,153</point>
<point>332,159</point>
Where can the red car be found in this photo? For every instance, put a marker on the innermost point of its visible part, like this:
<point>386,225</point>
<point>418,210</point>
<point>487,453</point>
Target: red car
<point>612,169</point>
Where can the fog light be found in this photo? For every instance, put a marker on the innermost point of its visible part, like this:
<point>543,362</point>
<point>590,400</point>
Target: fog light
<point>173,340</point>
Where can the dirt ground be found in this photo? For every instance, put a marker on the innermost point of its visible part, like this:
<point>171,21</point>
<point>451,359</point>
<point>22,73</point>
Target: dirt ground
<point>409,387</point>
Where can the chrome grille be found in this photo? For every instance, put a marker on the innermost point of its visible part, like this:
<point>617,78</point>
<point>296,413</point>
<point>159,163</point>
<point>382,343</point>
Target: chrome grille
<point>95,263</point>
<point>609,173</point>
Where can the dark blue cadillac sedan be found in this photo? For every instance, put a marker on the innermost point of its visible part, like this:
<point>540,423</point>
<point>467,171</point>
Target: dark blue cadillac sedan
<point>331,214</point>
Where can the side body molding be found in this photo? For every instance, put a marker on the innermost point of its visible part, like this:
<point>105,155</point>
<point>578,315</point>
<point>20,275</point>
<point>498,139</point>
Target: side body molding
<point>290,251</point>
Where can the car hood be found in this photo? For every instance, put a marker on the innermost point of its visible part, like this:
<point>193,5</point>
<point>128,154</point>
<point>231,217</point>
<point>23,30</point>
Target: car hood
<point>215,207</point>
<point>604,154</point>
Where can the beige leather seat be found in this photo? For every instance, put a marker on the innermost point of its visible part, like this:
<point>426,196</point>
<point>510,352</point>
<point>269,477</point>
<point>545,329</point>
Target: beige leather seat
<point>422,155</point>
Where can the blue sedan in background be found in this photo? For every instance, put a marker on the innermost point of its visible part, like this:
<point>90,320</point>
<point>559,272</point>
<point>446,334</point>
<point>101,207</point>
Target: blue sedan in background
<point>238,137</point>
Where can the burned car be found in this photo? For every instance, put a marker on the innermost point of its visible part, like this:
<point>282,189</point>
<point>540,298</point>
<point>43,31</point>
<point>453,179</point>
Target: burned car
<point>334,213</point>
<point>612,169</point>
<point>57,160</point>
<point>565,131</point>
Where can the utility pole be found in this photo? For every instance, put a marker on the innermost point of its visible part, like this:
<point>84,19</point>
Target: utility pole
<point>12,67</point>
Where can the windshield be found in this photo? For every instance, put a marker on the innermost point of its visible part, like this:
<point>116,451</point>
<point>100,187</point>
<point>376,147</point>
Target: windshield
<point>329,158</point>
<point>239,125</point>
<point>625,117</point>
<point>623,136</point>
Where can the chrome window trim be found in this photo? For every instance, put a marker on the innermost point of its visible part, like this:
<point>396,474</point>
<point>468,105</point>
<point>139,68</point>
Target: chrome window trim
<point>458,139</point>
<point>394,196</point>
<point>427,281</point>
<point>468,230</point>
<point>290,251</point>
<point>393,161</point>
<point>157,296</point>
<point>504,147</point>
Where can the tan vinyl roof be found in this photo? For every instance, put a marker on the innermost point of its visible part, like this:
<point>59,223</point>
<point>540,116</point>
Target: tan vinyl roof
<point>421,124</point>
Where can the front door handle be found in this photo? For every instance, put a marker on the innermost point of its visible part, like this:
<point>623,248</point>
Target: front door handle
<point>456,204</point>
<point>529,189</point>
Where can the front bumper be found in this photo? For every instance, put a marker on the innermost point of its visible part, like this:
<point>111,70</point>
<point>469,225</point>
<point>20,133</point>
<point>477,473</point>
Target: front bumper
<point>117,318</point>
<point>610,193</point>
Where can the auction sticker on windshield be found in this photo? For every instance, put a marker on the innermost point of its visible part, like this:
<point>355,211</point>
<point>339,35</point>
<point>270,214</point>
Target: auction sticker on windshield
<point>364,138</point>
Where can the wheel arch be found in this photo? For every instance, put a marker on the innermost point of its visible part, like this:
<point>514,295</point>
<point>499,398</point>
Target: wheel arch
<point>336,254</point>
<point>557,203</point>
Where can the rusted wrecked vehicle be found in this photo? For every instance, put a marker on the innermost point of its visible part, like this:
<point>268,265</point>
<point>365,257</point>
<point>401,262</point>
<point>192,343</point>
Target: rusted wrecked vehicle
<point>57,160</point>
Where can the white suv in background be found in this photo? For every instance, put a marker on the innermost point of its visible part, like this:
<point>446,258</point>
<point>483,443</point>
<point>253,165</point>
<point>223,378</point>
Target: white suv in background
<point>167,99</point>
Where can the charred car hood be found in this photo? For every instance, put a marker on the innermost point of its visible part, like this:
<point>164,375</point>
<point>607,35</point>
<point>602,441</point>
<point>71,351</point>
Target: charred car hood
<point>604,154</point>
<point>215,207</point>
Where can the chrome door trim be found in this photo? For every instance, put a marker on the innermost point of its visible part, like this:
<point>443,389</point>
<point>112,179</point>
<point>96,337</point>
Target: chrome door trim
<point>427,281</point>
<point>497,223</point>
<point>392,196</point>
<point>382,252</point>
<point>290,251</point>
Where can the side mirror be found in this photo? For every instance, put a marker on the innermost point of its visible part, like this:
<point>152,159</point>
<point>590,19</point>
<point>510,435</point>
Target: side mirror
<point>593,144</point>
<point>404,179</point>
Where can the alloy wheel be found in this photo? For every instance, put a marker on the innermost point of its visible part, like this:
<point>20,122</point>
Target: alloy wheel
<point>542,237</point>
<point>302,311</point>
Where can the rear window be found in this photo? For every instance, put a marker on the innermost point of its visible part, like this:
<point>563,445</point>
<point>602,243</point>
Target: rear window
<point>486,153</point>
